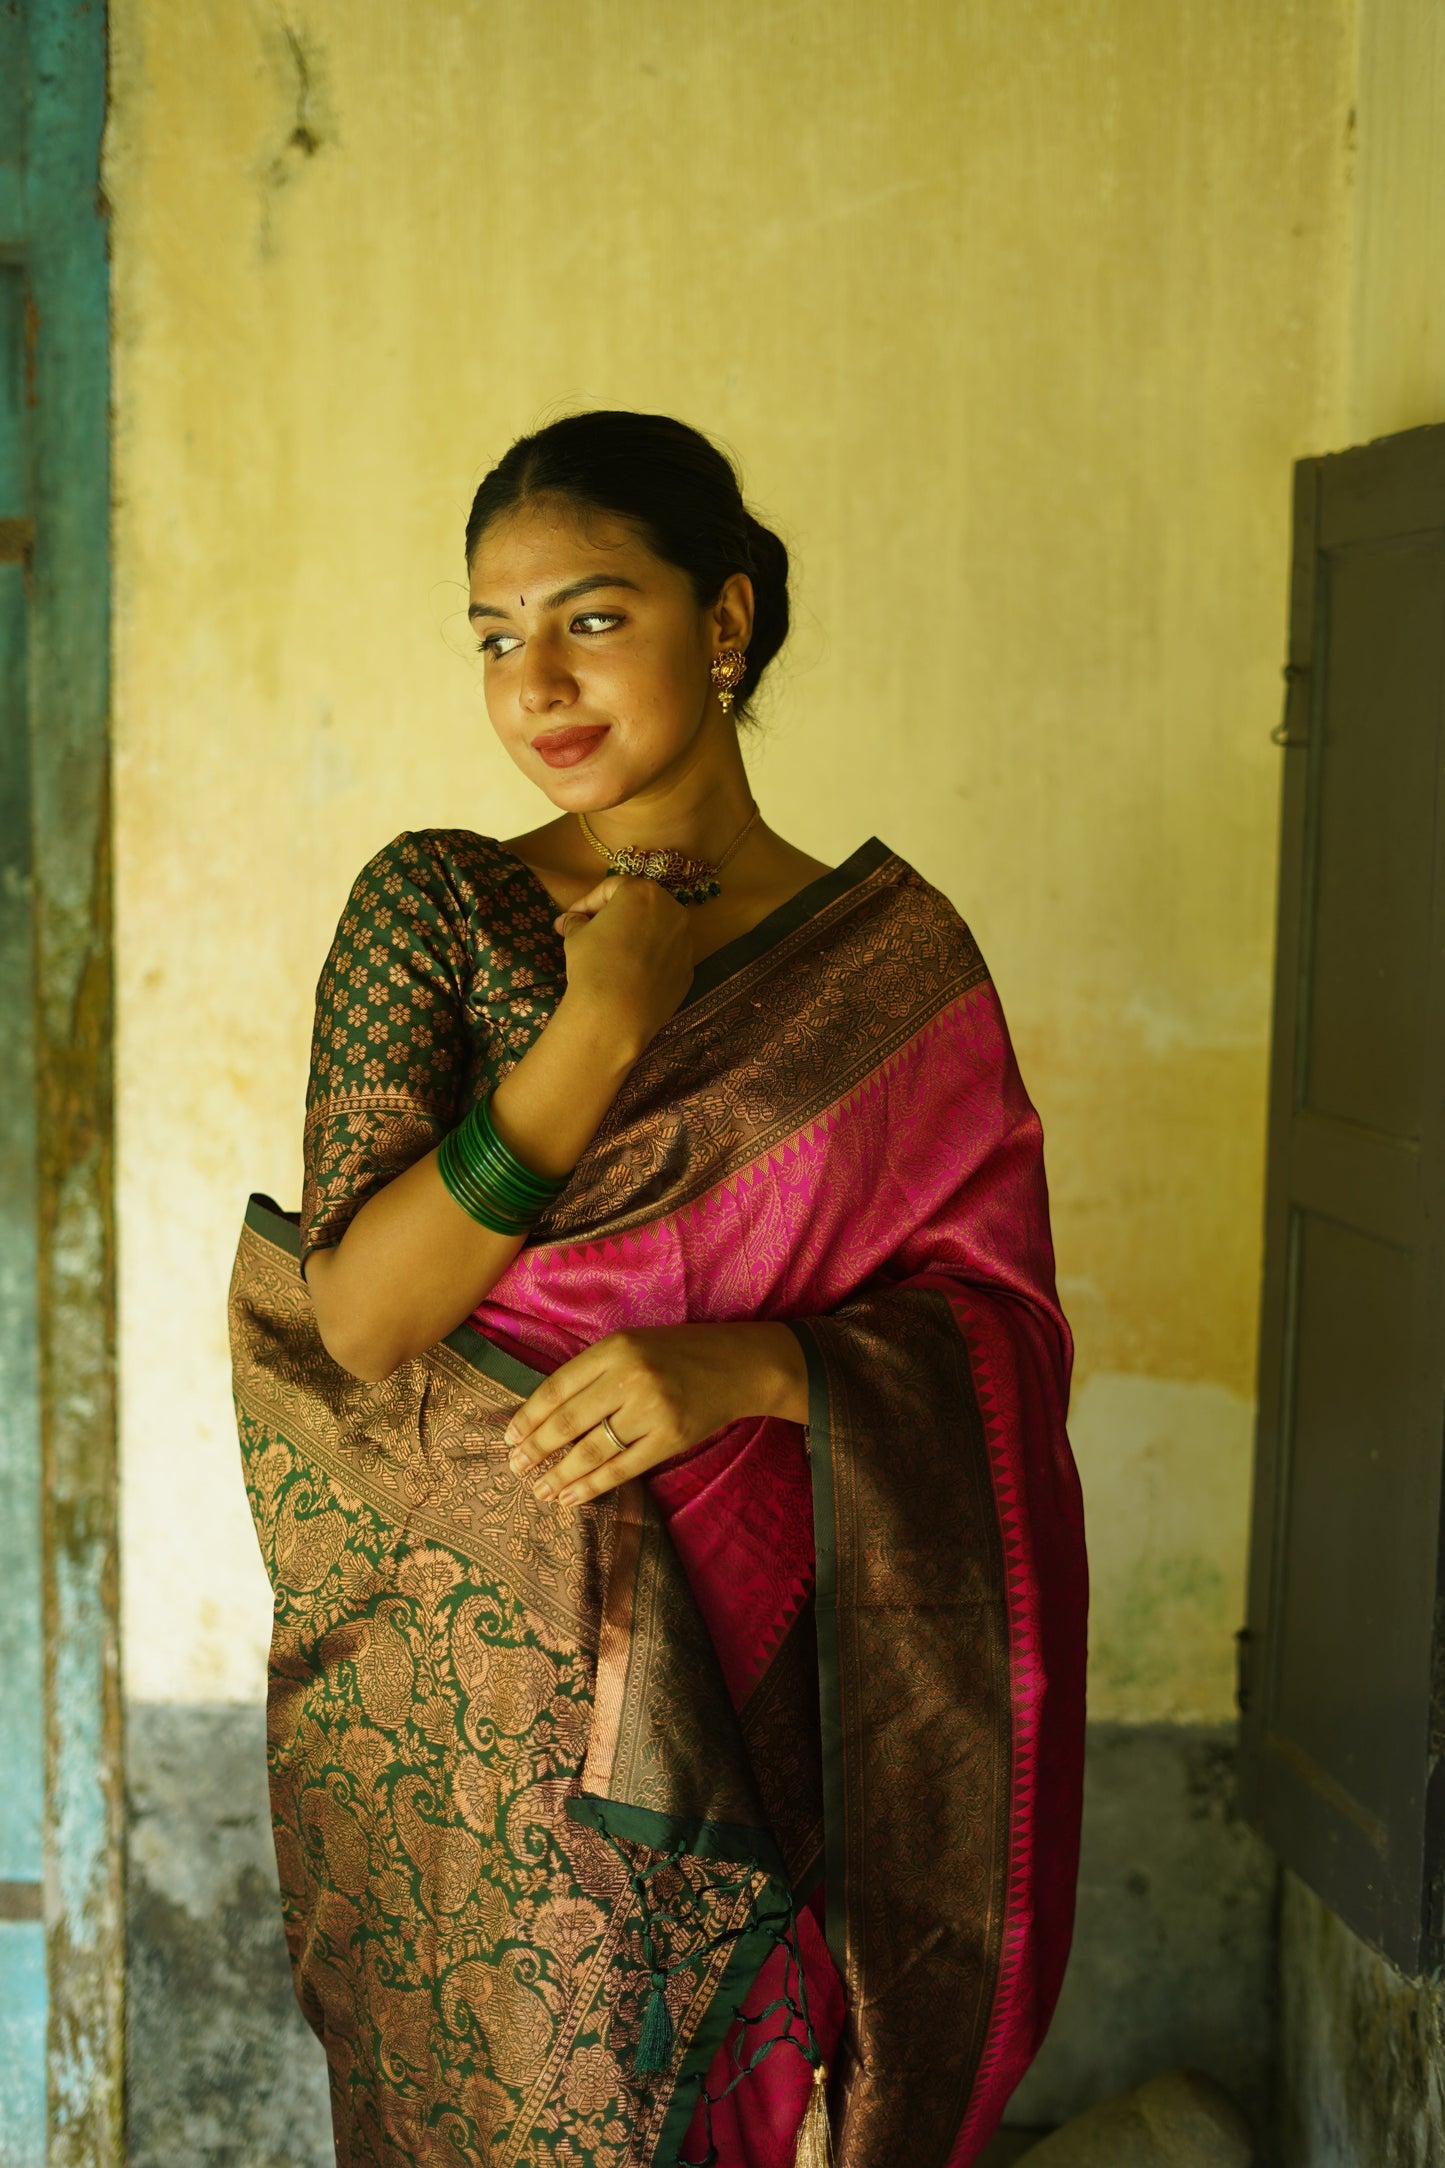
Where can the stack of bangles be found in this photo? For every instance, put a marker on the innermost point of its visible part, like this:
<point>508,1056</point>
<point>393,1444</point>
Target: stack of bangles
<point>488,1180</point>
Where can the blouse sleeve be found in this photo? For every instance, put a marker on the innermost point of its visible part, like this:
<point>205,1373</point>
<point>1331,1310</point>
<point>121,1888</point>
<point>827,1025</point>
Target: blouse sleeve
<point>390,1051</point>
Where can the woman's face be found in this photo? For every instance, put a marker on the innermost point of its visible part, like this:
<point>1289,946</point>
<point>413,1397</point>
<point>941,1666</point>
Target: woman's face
<point>596,653</point>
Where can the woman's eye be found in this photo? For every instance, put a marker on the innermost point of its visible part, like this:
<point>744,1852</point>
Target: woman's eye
<point>498,643</point>
<point>596,621</point>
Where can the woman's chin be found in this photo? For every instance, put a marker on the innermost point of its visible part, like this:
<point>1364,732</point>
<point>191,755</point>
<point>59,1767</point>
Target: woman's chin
<point>581,789</point>
<point>595,785</point>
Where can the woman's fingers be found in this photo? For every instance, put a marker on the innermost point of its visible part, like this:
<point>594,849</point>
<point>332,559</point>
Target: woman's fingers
<point>586,907</point>
<point>660,1388</point>
<point>580,1412</point>
<point>547,1400</point>
<point>557,1439</point>
<point>593,1466</point>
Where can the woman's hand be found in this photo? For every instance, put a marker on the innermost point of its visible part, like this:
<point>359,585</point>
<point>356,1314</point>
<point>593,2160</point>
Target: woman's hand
<point>629,956</point>
<point>662,1389</point>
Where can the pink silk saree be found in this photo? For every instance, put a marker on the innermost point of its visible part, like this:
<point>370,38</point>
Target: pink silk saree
<point>787,1739</point>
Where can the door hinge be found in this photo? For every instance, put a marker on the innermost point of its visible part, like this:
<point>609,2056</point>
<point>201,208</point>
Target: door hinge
<point>1243,1669</point>
<point>1294,673</point>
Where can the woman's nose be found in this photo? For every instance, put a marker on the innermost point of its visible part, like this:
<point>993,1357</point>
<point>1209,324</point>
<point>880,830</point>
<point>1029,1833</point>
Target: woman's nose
<point>546,682</point>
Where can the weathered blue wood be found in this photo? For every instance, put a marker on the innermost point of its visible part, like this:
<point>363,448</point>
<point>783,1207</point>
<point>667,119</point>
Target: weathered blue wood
<point>21,1709</point>
<point>12,127</point>
<point>13,69</point>
<point>22,2043</point>
<point>22,1717</point>
<point>66,268</point>
<point>12,210</point>
<point>22,1726</point>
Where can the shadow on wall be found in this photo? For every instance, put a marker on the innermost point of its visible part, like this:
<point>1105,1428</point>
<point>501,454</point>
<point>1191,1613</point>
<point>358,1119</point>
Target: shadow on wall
<point>1174,1955</point>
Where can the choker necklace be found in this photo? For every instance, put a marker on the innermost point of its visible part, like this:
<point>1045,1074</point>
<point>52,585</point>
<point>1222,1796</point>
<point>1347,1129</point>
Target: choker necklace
<point>690,880</point>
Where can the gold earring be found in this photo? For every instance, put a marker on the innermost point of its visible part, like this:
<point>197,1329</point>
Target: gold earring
<point>727,670</point>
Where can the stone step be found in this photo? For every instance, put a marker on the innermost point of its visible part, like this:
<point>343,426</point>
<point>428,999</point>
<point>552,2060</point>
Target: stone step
<point>1179,2120</point>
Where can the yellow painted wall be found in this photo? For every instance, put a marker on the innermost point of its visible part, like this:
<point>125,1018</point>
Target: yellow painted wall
<point>1016,312</point>
<point>1395,352</point>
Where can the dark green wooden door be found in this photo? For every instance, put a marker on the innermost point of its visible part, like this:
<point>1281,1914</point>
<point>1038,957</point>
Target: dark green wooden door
<point>1339,1738</point>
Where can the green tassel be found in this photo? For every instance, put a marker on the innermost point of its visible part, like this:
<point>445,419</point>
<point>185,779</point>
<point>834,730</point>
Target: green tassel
<point>654,2046</point>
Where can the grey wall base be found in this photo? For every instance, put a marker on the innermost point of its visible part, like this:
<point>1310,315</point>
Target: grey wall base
<point>1175,1944</point>
<point>1174,1957</point>
<point>1362,2076</point>
<point>223,2070</point>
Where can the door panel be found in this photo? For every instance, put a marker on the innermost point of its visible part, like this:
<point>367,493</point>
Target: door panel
<point>1375,840</point>
<point>1353,1509</point>
<point>1340,1647</point>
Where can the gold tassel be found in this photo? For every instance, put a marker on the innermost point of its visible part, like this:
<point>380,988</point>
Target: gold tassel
<point>815,2139</point>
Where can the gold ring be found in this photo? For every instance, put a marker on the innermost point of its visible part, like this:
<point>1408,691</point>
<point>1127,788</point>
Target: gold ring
<point>614,1441</point>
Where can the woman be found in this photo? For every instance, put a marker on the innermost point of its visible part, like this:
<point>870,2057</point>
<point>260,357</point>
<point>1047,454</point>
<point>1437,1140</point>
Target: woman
<point>676,1703</point>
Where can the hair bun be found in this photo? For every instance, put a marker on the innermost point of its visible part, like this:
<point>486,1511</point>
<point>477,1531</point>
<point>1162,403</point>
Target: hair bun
<point>769,573</point>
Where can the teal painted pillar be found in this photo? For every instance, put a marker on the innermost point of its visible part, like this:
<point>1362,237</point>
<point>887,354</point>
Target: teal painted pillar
<point>61,1947</point>
<point>22,1704</point>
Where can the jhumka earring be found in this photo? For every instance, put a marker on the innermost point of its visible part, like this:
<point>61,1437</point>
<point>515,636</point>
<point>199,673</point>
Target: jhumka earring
<point>727,671</point>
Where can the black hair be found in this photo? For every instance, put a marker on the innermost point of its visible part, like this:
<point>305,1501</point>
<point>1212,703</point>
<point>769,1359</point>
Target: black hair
<point>676,488</point>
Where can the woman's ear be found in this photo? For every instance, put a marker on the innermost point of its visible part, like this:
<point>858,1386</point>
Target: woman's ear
<point>732,613</point>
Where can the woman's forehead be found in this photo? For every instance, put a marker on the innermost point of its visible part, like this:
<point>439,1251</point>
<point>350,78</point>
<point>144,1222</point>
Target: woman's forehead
<point>550,542</point>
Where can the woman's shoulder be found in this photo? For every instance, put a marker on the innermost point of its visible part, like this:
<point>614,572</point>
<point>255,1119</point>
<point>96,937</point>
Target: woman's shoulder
<point>456,873</point>
<point>458,857</point>
<point>918,915</point>
<point>876,869</point>
<point>451,900</point>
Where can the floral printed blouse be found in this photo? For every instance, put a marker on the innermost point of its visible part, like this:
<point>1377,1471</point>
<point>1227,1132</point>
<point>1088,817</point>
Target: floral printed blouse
<point>445,967</point>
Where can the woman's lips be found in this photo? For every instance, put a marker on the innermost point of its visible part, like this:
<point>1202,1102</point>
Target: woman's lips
<point>564,748</point>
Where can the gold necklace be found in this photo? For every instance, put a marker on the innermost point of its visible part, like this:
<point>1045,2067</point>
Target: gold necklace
<point>690,880</point>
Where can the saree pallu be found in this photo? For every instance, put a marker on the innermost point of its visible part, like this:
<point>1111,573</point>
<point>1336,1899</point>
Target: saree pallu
<point>596,1831</point>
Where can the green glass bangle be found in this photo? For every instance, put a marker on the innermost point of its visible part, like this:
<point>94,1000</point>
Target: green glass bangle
<point>485,1200</point>
<point>485,1151</point>
<point>486,1156</point>
<point>480,1198</point>
<point>486,1178</point>
<point>475,1200</point>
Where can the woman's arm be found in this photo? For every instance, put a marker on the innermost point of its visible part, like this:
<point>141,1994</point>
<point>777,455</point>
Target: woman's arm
<point>412,1264</point>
